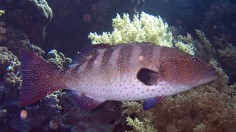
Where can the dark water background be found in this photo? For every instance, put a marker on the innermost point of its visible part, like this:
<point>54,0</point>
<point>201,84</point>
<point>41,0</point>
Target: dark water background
<point>67,29</point>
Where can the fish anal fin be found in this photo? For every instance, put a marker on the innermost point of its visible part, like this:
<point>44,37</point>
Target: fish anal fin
<point>86,103</point>
<point>150,103</point>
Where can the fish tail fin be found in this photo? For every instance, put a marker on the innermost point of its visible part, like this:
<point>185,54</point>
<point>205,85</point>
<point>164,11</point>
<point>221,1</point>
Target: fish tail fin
<point>39,78</point>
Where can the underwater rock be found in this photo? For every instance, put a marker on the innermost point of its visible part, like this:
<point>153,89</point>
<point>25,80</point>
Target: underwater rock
<point>30,16</point>
<point>8,61</point>
<point>57,112</point>
<point>58,59</point>
<point>11,80</point>
<point>14,39</point>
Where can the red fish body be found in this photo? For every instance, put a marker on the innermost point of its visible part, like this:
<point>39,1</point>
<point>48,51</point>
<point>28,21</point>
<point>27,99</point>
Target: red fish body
<point>116,72</point>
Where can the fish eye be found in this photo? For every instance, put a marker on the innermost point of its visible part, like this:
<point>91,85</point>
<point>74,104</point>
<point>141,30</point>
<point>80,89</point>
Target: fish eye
<point>195,59</point>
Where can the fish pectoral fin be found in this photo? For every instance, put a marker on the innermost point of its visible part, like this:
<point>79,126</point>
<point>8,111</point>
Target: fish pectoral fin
<point>148,76</point>
<point>87,103</point>
<point>150,103</point>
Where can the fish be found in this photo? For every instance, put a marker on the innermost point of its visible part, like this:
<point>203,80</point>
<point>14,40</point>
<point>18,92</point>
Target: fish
<point>123,72</point>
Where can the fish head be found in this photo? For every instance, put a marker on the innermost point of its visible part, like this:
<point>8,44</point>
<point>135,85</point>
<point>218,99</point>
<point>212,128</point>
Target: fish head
<point>181,69</point>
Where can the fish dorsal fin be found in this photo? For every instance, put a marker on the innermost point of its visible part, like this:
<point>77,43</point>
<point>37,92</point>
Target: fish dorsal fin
<point>83,55</point>
<point>148,76</point>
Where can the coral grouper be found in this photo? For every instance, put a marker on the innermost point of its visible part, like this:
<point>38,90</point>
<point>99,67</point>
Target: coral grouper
<point>115,72</point>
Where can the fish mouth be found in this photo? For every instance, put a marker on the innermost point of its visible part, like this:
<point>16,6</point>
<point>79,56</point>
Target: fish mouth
<point>211,76</point>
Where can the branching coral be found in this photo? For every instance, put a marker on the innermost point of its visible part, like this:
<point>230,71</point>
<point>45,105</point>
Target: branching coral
<point>139,126</point>
<point>208,108</point>
<point>143,28</point>
<point>2,12</point>
<point>147,28</point>
<point>204,47</point>
<point>229,55</point>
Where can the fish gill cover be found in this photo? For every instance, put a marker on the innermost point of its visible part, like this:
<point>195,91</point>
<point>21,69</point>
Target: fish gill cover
<point>207,108</point>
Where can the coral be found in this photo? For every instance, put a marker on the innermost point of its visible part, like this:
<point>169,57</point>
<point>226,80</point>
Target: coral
<point>58,59</point>
<point>2,12</point>
<point>9,67</point>
<point>143,28</point>
<point>219,49</point>
<point>139,126</point>
<point>188,48</point>
<point>14,39</point>
<point>204,48</point>
<point>30,16</point>
<point>11,80</point>
<point>198,112</point>
<point>209,107</point>
<point>228,59</point>
<point>229,54</point>
<point>8,61</point>
<point>56,112</point>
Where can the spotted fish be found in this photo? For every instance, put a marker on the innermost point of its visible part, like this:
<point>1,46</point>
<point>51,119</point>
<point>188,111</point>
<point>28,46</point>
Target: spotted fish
<point>122,72</point>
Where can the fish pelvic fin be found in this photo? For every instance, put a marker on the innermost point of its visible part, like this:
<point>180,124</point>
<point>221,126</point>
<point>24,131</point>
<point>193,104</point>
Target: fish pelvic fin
<point>151,102</point>
<point>39,78</point>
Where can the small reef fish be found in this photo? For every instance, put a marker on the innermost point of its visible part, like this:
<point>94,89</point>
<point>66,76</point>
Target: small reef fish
<point>121,72</point>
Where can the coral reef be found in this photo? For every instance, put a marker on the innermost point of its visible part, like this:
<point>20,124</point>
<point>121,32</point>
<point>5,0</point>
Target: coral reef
<point>220,50</point>
<point>9,65</point>
<point>199,115</point>
<point>14,39</point>
<point>30,16</point>
<point>206,108</point>
<point>8,61</point>
<point>147,28</point>
<point>58,59</point>
<point>2,12</point>
<point>210,107</point>
<point>143,28</point>
<point>139,126</point>
<point>58,111</point>
<point>228,61</point>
